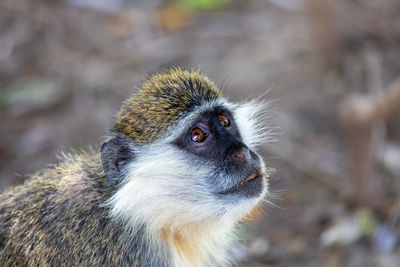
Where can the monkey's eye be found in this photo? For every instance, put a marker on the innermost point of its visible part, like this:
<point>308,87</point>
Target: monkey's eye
<point>198,135</point>
<point>223,120</point>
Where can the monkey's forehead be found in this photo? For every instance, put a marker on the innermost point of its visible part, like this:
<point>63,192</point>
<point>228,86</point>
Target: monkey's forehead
<point>161,101</point>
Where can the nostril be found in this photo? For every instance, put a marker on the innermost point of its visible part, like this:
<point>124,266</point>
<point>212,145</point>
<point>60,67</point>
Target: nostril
<point>240,154</point>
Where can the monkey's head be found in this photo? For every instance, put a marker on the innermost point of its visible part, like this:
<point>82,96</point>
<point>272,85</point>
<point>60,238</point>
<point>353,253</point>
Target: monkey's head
<point>181,153</point>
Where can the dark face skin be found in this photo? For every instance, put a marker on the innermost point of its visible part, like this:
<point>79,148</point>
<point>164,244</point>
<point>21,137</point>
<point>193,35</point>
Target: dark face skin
<point>214,138</point>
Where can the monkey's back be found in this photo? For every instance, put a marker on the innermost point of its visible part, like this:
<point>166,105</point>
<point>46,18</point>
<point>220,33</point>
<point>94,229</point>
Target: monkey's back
<point>56,218</point>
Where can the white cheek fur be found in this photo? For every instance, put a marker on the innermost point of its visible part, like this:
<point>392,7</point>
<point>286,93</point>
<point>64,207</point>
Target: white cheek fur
<point>160,189</point>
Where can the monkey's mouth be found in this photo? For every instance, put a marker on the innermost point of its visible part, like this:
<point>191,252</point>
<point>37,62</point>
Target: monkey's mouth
<point>251,177</point>
<point>250,186</point>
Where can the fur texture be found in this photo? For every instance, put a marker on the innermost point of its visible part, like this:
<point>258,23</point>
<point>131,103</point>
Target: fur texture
<point>56,219</point>
<point>162,100</point>
<point>163,213</point>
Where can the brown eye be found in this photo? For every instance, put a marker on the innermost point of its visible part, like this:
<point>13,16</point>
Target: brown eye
<point>224,121</point>
<point>198,135</point>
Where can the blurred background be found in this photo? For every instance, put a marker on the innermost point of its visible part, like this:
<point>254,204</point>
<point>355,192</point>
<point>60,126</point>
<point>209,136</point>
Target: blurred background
<point>330,67</point>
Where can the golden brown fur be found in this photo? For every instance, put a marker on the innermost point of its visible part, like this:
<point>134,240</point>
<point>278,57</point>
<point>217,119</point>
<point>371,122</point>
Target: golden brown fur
<point>144,121</point>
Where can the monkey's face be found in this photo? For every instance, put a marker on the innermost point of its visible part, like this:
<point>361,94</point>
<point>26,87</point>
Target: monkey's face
<point>235,172</point>
<point>205,167</point>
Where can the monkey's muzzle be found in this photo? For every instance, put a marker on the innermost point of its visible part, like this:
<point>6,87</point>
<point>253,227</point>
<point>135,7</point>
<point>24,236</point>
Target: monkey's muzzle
<point>250,186</point>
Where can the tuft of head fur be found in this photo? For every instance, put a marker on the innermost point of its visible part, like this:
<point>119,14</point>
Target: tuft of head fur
<point>254,122</point>
<point>161,101</point>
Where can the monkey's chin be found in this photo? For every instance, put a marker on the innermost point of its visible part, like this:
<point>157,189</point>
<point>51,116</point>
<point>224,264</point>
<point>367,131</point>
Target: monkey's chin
<point>252,186</point>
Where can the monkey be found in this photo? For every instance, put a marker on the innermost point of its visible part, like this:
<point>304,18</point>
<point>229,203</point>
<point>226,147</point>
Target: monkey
<point>176,175</point>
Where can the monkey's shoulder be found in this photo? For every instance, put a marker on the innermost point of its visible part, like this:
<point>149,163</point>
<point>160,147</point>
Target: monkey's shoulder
<point>52,216</point>
<point>77,174</point>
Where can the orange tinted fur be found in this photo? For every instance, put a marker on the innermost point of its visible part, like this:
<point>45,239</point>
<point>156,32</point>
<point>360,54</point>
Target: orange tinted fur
<point>191,242</point>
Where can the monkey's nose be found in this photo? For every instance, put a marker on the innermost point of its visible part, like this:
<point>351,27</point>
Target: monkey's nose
<point>240,155</point>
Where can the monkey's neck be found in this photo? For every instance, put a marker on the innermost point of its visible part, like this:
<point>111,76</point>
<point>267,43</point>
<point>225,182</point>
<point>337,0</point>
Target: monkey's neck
<point>198,244</point>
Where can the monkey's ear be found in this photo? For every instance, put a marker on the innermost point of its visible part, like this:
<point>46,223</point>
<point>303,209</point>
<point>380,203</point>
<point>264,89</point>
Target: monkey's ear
<point>115,155</point>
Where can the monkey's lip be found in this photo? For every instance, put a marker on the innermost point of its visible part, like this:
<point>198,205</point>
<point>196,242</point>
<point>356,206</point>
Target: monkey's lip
<point>251,177</point>
<point>249,181</point>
